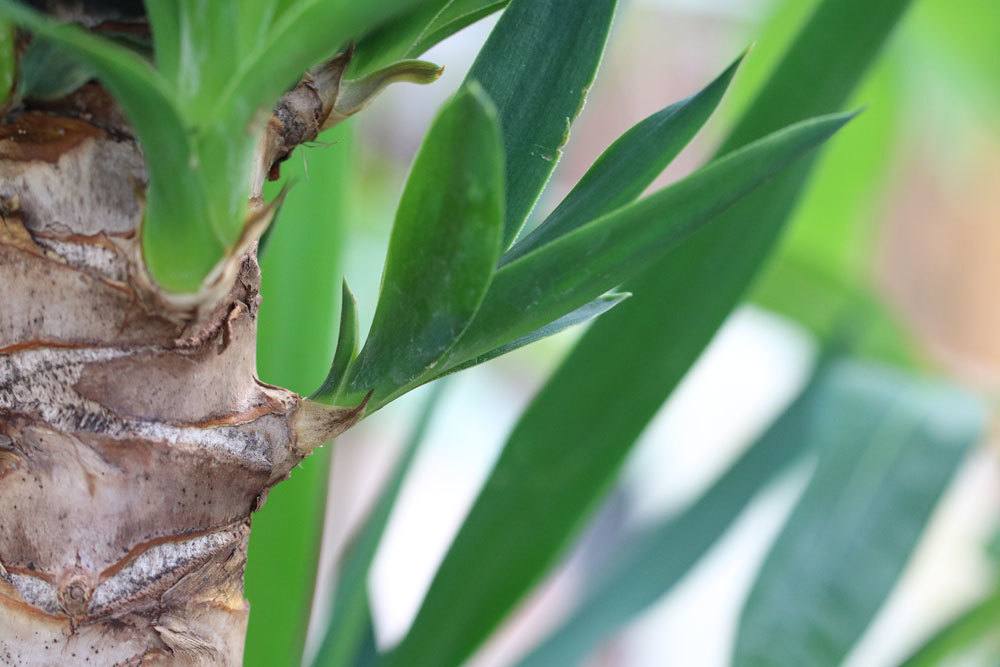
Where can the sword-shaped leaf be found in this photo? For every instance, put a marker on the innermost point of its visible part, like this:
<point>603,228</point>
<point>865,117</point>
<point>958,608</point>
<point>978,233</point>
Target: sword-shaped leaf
<point>537,67</point>
<point>629,165</point>
<point>577,267</point>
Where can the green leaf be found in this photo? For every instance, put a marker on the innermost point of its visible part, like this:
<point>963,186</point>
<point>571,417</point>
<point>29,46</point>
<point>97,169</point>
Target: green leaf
<point>8,62</point>
<point>629,165</point>
<point>49,72</point>
<point>355,94</point>
<point>198,54</point>
<point>649,564</point>
<point>510,553</point>
<point>537,67</point>
<point>584,313</point>
<point>347,349</point>
<point>582,424</point>
<point>455,15</point>
<point>304,34</point>
<point>413,33</point>
<point>547,283</point>
<point>444,247</point>
<point>300,281</point>
<point>180,249</point>
<point>972,628</point>
<point>344,634</point>
<point>888,446</point>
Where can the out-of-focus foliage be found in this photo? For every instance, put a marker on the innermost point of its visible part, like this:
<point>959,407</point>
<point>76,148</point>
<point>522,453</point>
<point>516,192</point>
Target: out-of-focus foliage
<point>300,276</point>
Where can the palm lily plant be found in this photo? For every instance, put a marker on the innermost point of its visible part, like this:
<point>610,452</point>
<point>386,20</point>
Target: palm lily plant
<point>136,440</point>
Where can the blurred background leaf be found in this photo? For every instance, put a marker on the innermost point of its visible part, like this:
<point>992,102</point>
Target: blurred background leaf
<point>345,638</point>
<point>297,334</point>
<point>888,446</point>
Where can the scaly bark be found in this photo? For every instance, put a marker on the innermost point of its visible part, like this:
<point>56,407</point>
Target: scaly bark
<point>135,437</point>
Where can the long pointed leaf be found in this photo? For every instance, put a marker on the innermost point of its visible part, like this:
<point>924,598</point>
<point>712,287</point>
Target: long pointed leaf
<point>547,283</point>
<point>584,313</point>
<point>537,67</point>
<point>347,348</point>
<point>889,446</point>
<point>629,165</point>
<point>509,552</point>
<point>443,251</point>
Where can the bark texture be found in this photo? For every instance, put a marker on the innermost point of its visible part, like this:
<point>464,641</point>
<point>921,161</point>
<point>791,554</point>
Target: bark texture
<point>135,437</point>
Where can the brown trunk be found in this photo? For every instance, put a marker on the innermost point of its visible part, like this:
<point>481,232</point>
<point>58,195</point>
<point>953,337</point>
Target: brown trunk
<point>135,437</point>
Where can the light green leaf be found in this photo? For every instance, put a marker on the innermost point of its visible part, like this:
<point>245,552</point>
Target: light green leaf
<point>444,247</point>
<point>537,67</point>
<point>180,249</point>
<point>345,633</point>
<point>355,94</point>
<point>305,33</point>
<point>300,281</point>
<point>629,165</point>
<point>888,446</point>
<point>651,562</point>
<point>978,625</point>
<point>547,283</point>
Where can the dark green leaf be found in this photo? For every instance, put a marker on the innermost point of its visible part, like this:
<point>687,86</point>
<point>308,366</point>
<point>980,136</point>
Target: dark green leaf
<point>455,15</point>
<point>653,561</point>
<point>584,421</point>
<point>347,348</point>
<point>345,632</point>
<point>49,71</point>
<point>537,67</point>
<point>413,33</point>
<point>629,165</point>
<point>889,445</point>
<point>508,552</point>
<point>444,247</point>
<point>582,314</point>
<point>547,283</point>
<point>8,62</point>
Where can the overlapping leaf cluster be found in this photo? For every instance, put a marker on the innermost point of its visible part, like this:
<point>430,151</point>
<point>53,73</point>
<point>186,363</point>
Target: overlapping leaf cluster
<point>199,107</point>
<point>458,287</point>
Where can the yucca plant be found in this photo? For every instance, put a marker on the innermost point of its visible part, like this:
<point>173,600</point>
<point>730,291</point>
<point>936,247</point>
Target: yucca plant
<point>136,439</point>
